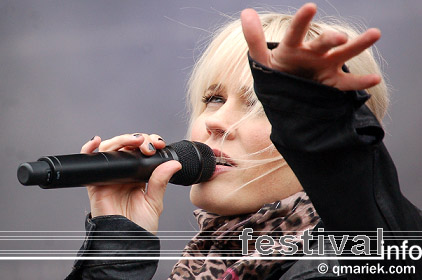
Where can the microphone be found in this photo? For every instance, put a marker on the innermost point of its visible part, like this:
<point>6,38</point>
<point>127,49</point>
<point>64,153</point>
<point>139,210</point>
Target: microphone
<point>118,167</point>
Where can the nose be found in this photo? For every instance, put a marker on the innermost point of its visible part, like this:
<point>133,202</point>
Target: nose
<point>219,123</point>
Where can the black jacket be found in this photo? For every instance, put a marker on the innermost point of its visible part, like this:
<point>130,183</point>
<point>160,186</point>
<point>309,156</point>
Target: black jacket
<point>333,143</point>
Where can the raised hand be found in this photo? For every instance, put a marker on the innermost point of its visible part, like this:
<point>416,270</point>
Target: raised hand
<point>133,201</point>
<point>320,59</point>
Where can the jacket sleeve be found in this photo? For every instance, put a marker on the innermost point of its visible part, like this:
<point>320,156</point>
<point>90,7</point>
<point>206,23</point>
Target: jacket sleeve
<point>118,237</point>
<point>333,143</point>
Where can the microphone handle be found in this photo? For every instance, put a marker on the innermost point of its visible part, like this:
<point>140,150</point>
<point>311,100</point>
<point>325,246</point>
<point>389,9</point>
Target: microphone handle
<point>103,168</point>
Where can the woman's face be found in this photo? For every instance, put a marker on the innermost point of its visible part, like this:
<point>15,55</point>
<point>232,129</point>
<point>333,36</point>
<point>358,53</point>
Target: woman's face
<point>223,193</point>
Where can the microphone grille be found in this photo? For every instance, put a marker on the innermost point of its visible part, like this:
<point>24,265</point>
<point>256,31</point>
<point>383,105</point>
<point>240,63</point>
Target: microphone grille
<point>198,162</point>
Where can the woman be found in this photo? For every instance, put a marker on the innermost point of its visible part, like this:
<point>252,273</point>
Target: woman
<point>316,138</point>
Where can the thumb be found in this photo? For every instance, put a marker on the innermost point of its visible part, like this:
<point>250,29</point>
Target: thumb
<point>254,35</point>
<point>157,183</point>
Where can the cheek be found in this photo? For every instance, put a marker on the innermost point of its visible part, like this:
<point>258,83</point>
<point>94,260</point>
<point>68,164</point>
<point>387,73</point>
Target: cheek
<point>257,135</point>
<point>198,130</point>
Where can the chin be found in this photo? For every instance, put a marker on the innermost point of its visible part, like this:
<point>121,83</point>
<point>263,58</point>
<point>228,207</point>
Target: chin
<point>217,204</point>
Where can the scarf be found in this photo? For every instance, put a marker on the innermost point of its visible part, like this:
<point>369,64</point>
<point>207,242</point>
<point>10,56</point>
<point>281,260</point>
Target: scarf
<point>219,237</point>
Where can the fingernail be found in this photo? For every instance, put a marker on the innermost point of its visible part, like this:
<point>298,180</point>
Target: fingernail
<point>137,135</point>
<point>151,147</point>
<point>345,34</point>
<point>92,138</point>
<point>160,139</point>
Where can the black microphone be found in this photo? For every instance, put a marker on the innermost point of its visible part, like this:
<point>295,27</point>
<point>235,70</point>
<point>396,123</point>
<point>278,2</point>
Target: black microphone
<point>104,168</point>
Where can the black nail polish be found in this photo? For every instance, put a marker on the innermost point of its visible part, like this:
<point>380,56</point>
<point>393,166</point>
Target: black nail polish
<point>151,147</point>
<point>92,138</point>
<point>160,139</point>
<point>137,135</point>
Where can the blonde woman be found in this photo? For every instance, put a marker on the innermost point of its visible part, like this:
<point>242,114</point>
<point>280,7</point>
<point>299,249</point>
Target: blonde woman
<point>299,147</point>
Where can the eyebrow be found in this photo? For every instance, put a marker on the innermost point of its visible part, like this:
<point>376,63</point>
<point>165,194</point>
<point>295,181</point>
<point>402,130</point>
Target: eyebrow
<point>216,88</point>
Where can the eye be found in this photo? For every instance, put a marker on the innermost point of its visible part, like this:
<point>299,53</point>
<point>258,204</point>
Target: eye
<point>215,98</point>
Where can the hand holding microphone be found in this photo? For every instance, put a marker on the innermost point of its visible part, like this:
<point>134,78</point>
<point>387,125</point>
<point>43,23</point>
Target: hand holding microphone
<point>117,174</point>
<point>131,200</point>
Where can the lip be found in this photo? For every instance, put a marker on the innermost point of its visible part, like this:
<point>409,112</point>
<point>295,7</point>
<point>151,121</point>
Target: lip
<point>222,168</point>
<point>227,158</point>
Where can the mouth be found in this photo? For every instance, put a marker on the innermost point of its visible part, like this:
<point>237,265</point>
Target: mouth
<point>223,159</point>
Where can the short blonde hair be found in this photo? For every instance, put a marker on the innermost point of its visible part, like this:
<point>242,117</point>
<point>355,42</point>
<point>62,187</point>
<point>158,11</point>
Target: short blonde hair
<point>224,62</point>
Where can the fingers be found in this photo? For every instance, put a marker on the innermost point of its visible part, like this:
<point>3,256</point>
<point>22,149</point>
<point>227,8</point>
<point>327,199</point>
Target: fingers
<point>323,57</point>
<point>91,145</point>
<point>299,25</point>
<point>350,81</point>
<point>326,41</point>
<point>356,46</point>
<point>254,35</point>
<point>118,142</point>
<point>151,144</point>
<point>148,144</point>
<point>158,182</point>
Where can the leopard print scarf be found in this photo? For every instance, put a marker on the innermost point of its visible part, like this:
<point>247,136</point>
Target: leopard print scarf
<point>219,237</point>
